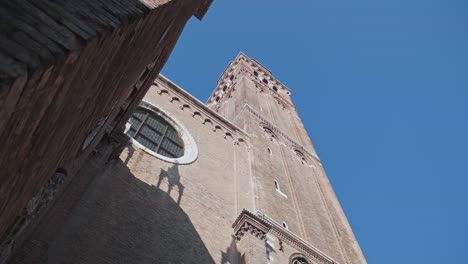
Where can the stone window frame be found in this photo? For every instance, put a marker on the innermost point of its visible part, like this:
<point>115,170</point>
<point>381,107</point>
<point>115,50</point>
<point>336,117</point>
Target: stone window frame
<point>293,259</point>
<point>190,147</point>
<point>155,133</point>
<point>278,189</point>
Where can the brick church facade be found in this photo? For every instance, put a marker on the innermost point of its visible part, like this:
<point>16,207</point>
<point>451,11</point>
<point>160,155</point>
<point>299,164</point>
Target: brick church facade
<point>237,182</point>
<point>115,164</point>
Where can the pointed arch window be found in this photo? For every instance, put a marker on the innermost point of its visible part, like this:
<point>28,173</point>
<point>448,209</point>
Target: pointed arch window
<point>299,260</point>
<point>271,135</point>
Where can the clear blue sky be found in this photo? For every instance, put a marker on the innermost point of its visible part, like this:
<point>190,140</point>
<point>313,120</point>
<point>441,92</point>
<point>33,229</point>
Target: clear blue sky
<point>382,87</point>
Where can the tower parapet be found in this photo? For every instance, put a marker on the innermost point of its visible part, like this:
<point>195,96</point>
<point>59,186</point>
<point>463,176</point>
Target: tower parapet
<point>247,82</point>
<point>262,77</point>
<point>289,183</point>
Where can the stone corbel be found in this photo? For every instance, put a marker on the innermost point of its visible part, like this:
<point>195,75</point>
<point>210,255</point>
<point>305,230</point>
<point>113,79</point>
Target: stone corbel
<point>247,223</point>
<point>259,225</point>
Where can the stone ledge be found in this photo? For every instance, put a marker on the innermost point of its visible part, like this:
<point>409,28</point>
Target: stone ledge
<point>259,225</point>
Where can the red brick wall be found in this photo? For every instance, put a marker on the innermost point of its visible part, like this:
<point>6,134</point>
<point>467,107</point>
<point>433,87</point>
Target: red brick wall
<point>63,67</point>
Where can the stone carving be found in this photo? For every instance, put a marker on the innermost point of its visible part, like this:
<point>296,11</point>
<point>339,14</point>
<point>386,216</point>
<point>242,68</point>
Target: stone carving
<point>260,225</point>
<point>260,75</point>
<point>268,130</point>
<point>249,228</point>
<point>299,260</point>
<point>275,130</point>
<point>199,110</point>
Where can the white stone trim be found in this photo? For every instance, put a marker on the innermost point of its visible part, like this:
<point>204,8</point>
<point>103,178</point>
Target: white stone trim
<point>201,107</point>
<point>260,225</point>
<point>282,193</point>
<point>292,143</point>
<point>190,147</point>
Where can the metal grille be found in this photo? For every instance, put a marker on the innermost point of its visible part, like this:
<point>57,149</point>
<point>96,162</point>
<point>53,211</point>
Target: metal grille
<point>155,133</point>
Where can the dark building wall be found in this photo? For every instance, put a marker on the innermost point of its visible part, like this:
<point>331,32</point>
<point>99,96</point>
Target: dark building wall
<point>110,215</point>
<point>141,209</point>
<point>68,71</point>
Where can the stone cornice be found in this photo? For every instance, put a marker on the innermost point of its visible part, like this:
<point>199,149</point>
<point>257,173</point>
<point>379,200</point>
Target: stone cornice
<point>259,224</point>
<point>254,62</point>
<point>284,101</point>
<point>248,222</point>
<point>292,142</point>
<point>200,106</point>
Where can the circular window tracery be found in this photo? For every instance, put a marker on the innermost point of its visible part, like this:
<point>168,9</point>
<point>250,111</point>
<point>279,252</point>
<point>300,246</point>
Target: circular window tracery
<point>155,133</point>
<point>160,135</point>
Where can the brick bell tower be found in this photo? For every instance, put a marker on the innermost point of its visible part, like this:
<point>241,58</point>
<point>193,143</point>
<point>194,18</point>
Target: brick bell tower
<point>288,211</point>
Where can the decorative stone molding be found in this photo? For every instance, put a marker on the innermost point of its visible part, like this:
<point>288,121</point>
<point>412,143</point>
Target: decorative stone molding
<point>264,80</point>
<point>190,147</point>
<point>298,258</point>
<point>249,223</point>
<point>259,225</point>
<point>197,108</point>
<point>224,92</point>
<point>252,229</point>
<point>300,155</point>
<point>295,146</point>
<point>268,130</point>
<point>255,65</point>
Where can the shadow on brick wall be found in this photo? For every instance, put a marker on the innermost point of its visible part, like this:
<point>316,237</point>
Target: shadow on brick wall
<point>172,176</point>
<point>232,254</point>
<point>116,218</point>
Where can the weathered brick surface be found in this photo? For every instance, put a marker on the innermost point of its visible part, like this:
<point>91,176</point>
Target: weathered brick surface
<point>281,151</point>
<point>128,213</point>
<point>141,209</point>
<point>64,66</point>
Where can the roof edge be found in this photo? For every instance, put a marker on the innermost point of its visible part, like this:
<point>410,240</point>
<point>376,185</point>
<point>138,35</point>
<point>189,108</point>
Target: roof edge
<point>201,11</point>
<point>201,105</point>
